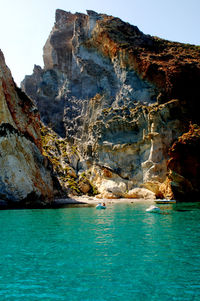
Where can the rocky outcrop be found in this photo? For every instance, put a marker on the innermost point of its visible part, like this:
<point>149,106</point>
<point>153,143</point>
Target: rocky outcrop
<point>183,181</point>
<point>65,160</point>
<point>121,97</point>
<point>24,176</point>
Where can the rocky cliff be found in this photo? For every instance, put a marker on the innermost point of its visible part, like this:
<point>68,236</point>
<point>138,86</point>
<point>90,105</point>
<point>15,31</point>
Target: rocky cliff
<point>24,177</point>
<point>183,180</point>
<point>121,97</point>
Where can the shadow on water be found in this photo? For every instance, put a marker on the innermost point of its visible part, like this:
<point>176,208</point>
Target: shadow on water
<point>166,209</point>
<point>57,204</point>
<point>182,207</point>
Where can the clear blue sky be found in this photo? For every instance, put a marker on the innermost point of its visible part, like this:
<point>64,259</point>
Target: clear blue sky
<point>26,24</point>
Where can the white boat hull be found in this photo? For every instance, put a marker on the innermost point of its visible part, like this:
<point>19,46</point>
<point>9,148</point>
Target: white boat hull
<point>99,207</point>
<point>153,209</point>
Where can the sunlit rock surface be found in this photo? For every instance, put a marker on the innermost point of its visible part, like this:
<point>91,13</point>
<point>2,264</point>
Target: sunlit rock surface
<point>121,97</point>
<point>24,177</point>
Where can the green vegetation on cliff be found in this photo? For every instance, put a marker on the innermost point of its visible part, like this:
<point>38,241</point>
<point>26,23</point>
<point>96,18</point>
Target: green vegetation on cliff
<point>64,158</point>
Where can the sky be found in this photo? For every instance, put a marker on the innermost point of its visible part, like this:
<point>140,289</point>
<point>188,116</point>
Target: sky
<point>26,24</point>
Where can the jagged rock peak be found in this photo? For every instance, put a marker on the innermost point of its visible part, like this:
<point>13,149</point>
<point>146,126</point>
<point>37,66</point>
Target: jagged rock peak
<point>37,69</point>
<point>93,14</point>
<point>1,55</point>
<point>61,15</point>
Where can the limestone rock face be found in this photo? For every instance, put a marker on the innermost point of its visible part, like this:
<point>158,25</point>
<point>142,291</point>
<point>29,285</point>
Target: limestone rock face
<point>76,69</point>
<point>120,96</point>
<point>24,176</point>
<point>140,193</point>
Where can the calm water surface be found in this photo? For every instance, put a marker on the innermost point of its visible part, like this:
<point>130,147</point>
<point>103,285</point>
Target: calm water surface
<point>121,253</point>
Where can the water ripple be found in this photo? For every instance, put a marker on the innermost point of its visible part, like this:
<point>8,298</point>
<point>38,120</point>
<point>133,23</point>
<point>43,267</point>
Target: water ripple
<point>120,253</point>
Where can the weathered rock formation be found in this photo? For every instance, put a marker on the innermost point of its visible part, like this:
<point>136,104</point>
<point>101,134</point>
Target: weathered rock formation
<point>183,180</point>
<point>65,158</point>
<point>120,96</point>
<point>24,177</point>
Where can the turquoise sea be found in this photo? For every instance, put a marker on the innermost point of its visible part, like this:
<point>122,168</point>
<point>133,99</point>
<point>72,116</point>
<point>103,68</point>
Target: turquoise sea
<point>121,253</point>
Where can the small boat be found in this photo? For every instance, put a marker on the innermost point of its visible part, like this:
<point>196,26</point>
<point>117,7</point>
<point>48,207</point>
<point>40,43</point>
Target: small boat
<point>100,206</point>
<point>153,209</point>
<point>165,202</point>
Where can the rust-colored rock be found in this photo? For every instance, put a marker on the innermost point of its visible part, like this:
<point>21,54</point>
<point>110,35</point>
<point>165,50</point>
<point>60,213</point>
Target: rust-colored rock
<point>16,108</point>
<point>184,166</point>
<point>107,173</point>
<point>84,187</point>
